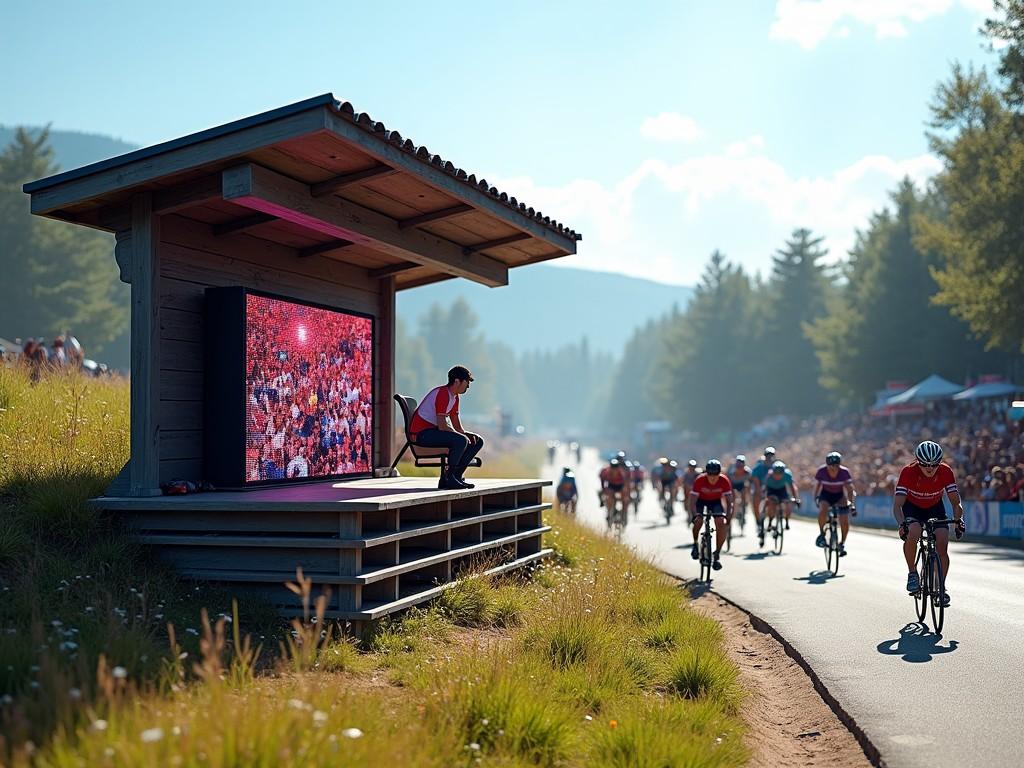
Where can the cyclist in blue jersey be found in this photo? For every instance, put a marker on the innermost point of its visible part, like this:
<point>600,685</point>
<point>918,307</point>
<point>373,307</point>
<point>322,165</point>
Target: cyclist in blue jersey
<point>779,488</point>
<point>566,491</point>
<point>757,475</point>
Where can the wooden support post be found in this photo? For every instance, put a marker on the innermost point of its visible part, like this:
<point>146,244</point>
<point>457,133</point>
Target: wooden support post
<point>144,474</point>
<point>385,363</point>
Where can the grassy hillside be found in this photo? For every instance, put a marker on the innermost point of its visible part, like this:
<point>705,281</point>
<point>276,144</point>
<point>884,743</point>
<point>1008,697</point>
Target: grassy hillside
<point>592,659</point>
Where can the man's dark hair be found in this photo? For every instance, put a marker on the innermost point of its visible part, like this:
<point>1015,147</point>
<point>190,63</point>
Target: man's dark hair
<point>459,372</point>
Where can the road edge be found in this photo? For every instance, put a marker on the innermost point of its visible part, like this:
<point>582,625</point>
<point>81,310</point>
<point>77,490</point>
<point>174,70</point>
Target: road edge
<point>871,752</point>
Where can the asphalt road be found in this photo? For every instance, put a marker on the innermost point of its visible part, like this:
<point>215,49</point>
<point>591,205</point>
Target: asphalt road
<point>955,699</point>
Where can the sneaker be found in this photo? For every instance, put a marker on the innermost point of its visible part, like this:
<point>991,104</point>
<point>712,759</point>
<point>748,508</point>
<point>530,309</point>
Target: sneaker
<point>913,582</point>
<point>945,600</point>
<point>716,563</point>
<point>693,552</point>
<point>842,550</point>
<point>820,541</point>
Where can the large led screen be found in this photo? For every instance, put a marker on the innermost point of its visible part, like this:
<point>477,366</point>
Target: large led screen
<point>309,391</point>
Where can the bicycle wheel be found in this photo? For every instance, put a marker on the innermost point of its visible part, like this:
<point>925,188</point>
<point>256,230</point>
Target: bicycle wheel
<point>705,556</point>
<point>828,549</point>
<point>921,596</point>
<point>836,546</point>
<point>938,592</point>
<point>728,536</point>
<point>779,532</point>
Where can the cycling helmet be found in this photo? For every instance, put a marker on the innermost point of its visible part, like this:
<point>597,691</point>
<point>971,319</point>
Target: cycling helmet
<point>713,467</point>
<point>692,463</point>
<point>614,463</point>
<point>929,453</point>
<point>741,459</point>
<point>673,463</point>
<point>566,470</point>
<point>769,451</point>
<point>663,460</point>
<point>779,466</point>
<point>834,458</point>
<point>629,464</point>
<point>621,455</point>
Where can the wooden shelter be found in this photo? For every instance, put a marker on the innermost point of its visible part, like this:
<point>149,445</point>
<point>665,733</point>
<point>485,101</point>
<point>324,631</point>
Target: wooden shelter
<point>323,204</point>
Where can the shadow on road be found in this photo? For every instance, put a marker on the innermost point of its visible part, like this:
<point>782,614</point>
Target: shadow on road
<point>916,644</point>
<point>818,577</point>
<point>758,555</point>
<point>696,588</point>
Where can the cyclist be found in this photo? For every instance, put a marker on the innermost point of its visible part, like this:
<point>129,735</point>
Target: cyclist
<point>779,488</point>
<point>739,476</point>
<point>566,492</point>
<point>918,498</point>
<point>757,475</point>
<point>690,475</point>
<point>656,473</point>
<point>638,477</point>
<point>669,481</point>
<point>613,484</point>
<point>834,486</point>
<point>706,496</point>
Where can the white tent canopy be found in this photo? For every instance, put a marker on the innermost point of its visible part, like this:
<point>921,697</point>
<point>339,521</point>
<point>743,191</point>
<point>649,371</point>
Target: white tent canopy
<point>988,389</point>
<point>933,388</point>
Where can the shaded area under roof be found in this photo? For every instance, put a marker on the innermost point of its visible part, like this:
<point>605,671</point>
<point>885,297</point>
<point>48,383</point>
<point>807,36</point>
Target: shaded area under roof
<point>932,388</point>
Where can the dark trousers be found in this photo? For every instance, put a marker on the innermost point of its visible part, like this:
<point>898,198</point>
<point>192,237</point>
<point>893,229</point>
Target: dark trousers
<point>460,450</point>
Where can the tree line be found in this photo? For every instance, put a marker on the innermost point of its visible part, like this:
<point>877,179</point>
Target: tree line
<point>932,285</point>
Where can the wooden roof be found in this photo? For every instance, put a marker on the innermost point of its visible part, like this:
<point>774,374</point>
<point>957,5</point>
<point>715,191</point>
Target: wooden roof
<point>329,182</point>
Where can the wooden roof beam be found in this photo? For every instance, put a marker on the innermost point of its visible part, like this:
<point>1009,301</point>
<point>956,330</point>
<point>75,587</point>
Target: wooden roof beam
<point>236,226</point>
<point>195,192</point>
<point>477,247</point>
<point>348,179</point>
<point>273,194</point>
<point>316,250</point>
<point>391,269</point>
<point>426,218</point>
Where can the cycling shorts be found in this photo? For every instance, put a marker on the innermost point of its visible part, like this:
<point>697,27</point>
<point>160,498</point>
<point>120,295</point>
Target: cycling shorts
<point>564,497</point>
<point>923,514</point>
<point>738,485</point>
<point>782,494</point>
<point>714,508</point>
<point>832,498</point>
<point>668,482</point>
<point>616,487</point>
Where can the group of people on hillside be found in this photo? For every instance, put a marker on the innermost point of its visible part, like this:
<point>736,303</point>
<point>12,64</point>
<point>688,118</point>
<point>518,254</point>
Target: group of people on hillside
<point>63,353</point>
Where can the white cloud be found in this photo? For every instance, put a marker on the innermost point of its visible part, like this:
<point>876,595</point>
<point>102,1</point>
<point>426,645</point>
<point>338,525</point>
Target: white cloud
<point>808,22</point>
<point>670,126</point>
<point>663,219</point>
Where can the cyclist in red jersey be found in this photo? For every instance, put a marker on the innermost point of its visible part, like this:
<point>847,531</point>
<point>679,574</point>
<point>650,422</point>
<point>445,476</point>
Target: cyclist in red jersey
<point>706,496</point>
<point>918,498</point>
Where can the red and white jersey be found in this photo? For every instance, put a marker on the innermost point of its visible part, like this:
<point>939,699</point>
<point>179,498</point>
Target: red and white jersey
<point>922,491</point>
<point>439,401</point>
<point>705,490</point>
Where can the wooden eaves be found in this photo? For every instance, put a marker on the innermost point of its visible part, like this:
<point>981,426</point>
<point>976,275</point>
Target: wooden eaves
<point>326,182</point>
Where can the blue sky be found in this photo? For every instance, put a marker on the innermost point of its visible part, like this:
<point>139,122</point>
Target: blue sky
<point>661,130</point>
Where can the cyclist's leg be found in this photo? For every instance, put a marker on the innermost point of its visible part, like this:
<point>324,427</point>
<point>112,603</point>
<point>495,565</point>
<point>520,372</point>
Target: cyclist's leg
<point>698,520</point>
<point>755,493</point>
<point>822,514</point>
<point>910,545</point>
<point>844,527</point>
<point>720,533</point>
<point>942,545</point>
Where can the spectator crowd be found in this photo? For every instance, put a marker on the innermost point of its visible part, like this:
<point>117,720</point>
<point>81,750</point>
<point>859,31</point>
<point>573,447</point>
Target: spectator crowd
<point>981,443</point>
<point>63,353</point>
<point>309,391</point>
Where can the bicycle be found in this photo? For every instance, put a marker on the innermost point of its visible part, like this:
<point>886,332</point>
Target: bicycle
<point>568,506</point>
<point>634,498</point>
<point>706,548</point>
<point>833,545</point>
<point>667,505</point>
<point>619,517</point>
<point>776,525</point>
<point>932,580</point>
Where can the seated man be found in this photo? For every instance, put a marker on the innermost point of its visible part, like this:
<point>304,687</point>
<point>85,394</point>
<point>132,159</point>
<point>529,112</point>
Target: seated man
<point>430,428</point>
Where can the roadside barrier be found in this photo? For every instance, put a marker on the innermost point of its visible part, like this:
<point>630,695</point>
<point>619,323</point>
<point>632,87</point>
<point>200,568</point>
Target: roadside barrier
<point>994,519</point>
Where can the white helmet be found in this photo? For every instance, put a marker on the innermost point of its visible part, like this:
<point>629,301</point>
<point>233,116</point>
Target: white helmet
<point>928,453</point>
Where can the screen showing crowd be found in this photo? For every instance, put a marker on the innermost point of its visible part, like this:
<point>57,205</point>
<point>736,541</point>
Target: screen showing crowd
<point>309,391</point>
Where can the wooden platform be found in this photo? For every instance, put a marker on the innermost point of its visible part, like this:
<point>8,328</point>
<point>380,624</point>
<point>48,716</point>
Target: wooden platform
<point>378,545</point>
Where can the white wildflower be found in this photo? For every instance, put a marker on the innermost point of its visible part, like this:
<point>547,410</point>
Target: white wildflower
<point>150,735</point>
<point>99,725</point>
<point>120,673</point>
<point>352,733</point>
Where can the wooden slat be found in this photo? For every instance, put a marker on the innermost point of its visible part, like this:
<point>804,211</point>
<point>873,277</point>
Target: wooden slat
<point>179,324</point>
<point>179,415</point>
<point>268,192</point>
<point>477,247</point>
<point>383,422</point>
<point>392,269</point>
<point>144,269</point>
<point>242,224</point>
<point>178,355</point>
<point>444,213</point>
<point>347,179</point>
<point>332,245</point>
<point>181,444</point>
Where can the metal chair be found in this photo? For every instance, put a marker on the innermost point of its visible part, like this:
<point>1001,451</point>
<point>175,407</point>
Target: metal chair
<point>424,457</point>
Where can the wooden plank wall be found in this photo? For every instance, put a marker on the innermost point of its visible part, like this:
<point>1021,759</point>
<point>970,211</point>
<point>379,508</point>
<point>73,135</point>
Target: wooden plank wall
<point>192,258</point>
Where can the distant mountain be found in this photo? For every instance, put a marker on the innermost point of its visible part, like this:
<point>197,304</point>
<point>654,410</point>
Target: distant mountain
<point>73,149</point>
<point>544,307</point>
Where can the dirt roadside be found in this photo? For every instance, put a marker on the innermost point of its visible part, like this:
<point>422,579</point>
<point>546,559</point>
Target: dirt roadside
<point>790,725</point>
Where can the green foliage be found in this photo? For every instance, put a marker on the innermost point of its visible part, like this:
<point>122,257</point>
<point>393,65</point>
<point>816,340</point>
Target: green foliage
<point>56,276</point>
<point>698,672</point>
